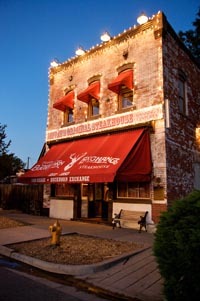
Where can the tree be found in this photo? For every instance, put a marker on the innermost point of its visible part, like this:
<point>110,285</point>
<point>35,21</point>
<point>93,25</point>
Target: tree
<point>191,38</point>
<point>3,145</point>
<point>9,163</point>
<point>176,247</point>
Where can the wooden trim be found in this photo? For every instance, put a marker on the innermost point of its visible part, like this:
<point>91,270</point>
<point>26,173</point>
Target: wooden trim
<point>133,201</point>
<point>68,198</point>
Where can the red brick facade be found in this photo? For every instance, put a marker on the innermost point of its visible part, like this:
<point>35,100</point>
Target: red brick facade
<point>157,209</point>
<point>157,58</point>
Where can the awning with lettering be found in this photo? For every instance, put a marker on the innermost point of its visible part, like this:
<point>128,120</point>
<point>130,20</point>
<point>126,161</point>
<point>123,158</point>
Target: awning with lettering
<point>123,155</point>
<point>64,102</point>
<point>92,91</point>
<point>125,78</point>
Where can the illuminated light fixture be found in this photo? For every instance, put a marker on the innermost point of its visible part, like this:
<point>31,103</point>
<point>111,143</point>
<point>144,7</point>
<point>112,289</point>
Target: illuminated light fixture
<point>54,63</point>
<point>142,19</point>
<point>198,135</point>
<point>105,37</point>
<point>80,51</point>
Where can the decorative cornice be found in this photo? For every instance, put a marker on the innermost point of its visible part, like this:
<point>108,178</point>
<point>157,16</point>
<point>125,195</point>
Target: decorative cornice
<point>69,88</point>
<point>116,40</point>
<point>158,23</point>
<point>94,78</point>
<point>125,67</point>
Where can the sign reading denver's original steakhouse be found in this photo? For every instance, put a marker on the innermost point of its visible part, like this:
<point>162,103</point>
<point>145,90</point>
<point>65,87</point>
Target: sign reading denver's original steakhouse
<point>112,122</point>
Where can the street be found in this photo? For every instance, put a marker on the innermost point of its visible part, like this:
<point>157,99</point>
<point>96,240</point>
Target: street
<point>18,285</point>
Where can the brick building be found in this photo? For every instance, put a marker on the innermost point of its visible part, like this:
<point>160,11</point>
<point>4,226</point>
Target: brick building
<point>123,129</point>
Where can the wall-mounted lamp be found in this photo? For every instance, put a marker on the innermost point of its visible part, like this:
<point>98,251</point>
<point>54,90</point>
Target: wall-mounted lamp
<point>142,19</point>
<point>80,51</point>
<point>54,63</point>
<point>105,37</point>
<point>125,54</point>
<point>197,132</point>
<point>157,182</point>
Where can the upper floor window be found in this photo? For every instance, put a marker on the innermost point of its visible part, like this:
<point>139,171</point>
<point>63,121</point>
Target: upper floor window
<point>125,98</point>
<point>123,86</point>
<point>93,107</point>
<point>91,97</point>
<point>196,175</point>
<point>66,105</point>
<point>182,94</point>
<point>68,116</point>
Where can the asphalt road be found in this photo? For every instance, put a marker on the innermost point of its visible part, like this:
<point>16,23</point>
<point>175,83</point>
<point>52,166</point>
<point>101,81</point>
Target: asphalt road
<point>17,285</point>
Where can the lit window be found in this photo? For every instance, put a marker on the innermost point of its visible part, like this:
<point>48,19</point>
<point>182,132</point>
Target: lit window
<point>133,190</point>
<point>182,95</point>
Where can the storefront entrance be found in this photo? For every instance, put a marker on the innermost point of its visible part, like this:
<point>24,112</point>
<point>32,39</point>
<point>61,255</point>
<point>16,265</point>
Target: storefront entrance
<point>93,203</point>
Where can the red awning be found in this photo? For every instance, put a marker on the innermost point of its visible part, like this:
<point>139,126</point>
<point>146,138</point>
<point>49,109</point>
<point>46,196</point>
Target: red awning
<point>138,164</point>
<point>66,101</point>
<point>95,159</point>
<point>125,78</point>
<point>91,91</point>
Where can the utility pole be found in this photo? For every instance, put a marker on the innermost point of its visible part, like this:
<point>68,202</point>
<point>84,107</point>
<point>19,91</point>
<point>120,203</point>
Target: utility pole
<point>28,163</point>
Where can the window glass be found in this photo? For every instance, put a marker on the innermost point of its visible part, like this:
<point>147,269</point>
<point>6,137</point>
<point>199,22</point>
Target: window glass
<point>126,102</point>
<point>144,191</point>
<point>122,189</point>
<point>182,94</point>
<point>197,175</point>
<point>125,98</point>
<point>84,191</point>
<point>93,107</point>
<point>64,190</point>
<point>68,116</point>
<point>133,190</point>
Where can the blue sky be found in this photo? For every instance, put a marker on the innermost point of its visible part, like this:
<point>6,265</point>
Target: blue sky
<point>33,33</point>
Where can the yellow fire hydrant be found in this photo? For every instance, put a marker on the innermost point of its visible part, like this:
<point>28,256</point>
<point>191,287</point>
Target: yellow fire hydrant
<point>55,230</point>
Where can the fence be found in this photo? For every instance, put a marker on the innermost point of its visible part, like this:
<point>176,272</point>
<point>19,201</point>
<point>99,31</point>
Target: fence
<point>27,198</point>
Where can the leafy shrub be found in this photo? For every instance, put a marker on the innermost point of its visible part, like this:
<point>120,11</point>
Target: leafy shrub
<point>177,249</point>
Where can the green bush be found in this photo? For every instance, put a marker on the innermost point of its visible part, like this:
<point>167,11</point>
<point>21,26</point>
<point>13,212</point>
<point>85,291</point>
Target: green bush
<point>177,249</point>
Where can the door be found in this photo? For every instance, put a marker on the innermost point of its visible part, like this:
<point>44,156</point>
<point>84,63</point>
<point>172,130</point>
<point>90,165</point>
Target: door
<point>92,200</point>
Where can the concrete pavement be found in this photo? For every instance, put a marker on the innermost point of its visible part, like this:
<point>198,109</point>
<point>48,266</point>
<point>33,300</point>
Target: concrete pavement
<point>134,276</point>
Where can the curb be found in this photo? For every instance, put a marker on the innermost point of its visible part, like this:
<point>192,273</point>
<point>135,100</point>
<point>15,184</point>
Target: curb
<point>74,270</point>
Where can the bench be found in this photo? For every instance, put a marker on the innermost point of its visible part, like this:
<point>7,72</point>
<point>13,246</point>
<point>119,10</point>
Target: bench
<point>130,219</point>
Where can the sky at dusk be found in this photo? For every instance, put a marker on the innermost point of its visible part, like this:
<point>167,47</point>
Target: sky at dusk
<point>34,32</point>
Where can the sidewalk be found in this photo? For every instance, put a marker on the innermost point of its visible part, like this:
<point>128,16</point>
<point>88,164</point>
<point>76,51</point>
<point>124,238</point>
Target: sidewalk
<point>134,277</point>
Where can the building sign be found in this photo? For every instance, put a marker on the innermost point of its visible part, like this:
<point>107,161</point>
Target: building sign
<point>108,123</point>
<point>92,159</point>
<point>59,171</point>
